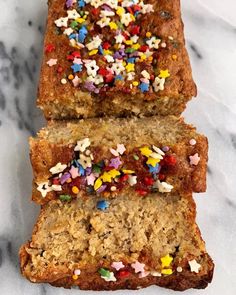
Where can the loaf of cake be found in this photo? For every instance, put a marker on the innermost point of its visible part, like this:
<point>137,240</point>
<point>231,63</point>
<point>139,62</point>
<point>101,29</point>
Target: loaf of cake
<point>127,242</point>
<point>106,156</point>
<point>114,58</point>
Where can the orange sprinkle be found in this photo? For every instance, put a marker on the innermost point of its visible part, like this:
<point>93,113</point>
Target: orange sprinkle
<point>75,277</point>
<point>70,77</point>
<point>75,189</point>
<point>174,57</point>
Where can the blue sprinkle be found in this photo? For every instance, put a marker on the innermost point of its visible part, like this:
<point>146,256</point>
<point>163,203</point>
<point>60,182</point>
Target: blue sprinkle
<point>72,36</point>
<point>131,60</point>
<point>81,170</point>
<point>102,205</point>
<point>119,77</point>
<point>81,3</point>
<point>100,50</point>
<point>76,68</point>
<point>155,169</point>
<point>82,34</point>
<point>144,87</point>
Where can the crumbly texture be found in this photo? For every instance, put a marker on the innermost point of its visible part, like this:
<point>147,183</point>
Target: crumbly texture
<point>116,96</point>
<point>55,144</point>
<point>77,235</point>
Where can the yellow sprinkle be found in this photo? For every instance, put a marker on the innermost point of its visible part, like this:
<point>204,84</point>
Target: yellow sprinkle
<point>143,57</point>
<point>70,77</point>
<point>75,277</point>
<point>120,10</point>
<point>114,173</point>
<point>164,74</point>
<point>152,161</point>
<point>75,189</point>
<point>136,46</point>
<point>92,52</point>
<point>174,57</point>
<point>128,42</point>
<point>124,63</point>
<point>145,151</point>
<point>167,271</point>
<point>117,46</point>
<point>166,261</point>
<point>113,26</point>
<point>80,20</point>
<point>130,67</point>
<point>105,51</point>
<point>85,16</point>
<point>135,83</point>
<point>106,177</point>
<point>150,58</point>
<point>98,183</point>
<point>128,171</point>
<point>148,34</point>
<point>133,17</point>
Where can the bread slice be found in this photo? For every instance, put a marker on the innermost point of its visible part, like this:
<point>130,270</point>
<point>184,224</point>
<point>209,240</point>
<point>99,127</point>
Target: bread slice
<point>130,242</point>
<point>104,156</point>
<point>135,64</point>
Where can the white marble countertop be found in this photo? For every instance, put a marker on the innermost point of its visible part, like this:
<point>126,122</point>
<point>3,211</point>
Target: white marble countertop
<point>210,27</point>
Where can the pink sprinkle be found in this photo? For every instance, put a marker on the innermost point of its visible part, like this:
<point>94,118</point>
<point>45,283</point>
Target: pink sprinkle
<point>192,141</point>
<point>52,62</point>
<point>194,160</point>
<point>138,267</point>
<point>117,265</point>
<point>114,152</point>
<point>74,171</point>
<point>90,179</point>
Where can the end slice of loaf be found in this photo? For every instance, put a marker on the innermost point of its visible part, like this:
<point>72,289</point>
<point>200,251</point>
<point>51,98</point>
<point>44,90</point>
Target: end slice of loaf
<point>106,156</point>
<point>130,243</point>
<point>146,72</point>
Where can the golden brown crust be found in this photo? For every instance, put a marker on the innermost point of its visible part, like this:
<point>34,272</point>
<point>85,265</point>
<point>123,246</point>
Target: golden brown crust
<point>65,101</point>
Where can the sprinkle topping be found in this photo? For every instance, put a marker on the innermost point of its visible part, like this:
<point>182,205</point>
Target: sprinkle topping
<point>112,45</point>
<point>138,267</point>
<point>194,160</point>
<point>117,265</point>
<point>194,266</point>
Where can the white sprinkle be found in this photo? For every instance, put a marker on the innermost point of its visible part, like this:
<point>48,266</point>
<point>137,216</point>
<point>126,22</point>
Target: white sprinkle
<point>179,269</point>
<point>192,141</point>
<point>63,81</point>
<point>194,266</point>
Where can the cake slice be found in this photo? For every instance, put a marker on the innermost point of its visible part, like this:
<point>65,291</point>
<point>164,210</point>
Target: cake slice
<point>120,243</point>
<point>106,156</point>
<point>114,58</point>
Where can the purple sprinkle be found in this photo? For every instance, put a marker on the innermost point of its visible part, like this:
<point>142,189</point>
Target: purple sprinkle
<point>106,7</point>
<point>102,188</point>
<point>117,55</point>
<point>69,3</point>
<point>165,148</point>
<point>89,86</point>
<point>115,162</point>
<point>65,177</point>
<point>88,171</point>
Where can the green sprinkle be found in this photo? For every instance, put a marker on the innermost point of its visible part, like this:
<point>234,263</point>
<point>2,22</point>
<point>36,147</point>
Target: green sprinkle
<point>104,272</point>
<point>65,198</point>
<point>74,25</point>
<point>136,157</point>
<point>130,50</point>
<point>96,169</point>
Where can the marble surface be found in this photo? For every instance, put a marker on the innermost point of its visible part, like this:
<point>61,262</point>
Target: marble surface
<point>210,27</point>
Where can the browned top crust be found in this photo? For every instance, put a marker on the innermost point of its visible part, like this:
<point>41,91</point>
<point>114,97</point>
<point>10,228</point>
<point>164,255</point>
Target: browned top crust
<point>169,61</point>
<point>56,144</point>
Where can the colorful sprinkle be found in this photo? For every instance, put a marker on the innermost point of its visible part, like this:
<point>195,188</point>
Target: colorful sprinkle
<point>194,160</point>
<point>194,266</point>
<point>102,205</point>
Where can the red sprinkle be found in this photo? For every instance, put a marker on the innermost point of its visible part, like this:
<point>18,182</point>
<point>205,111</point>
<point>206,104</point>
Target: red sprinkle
<point>56,181</point>
<point>124,178</point>
<point>148,180</point>
<point>109,78</point>
<point>106,45</point>
<point>95,11</point>
<point>76,54</point>
<point>49,48</point>
<point>103,72</point>
<point>123,274</point>
<point>143,48</point>
<point>161,176</point>
<point>70,57</point>
<point>170,160</point>
<point>142,192</point>
<point>135,30</point>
